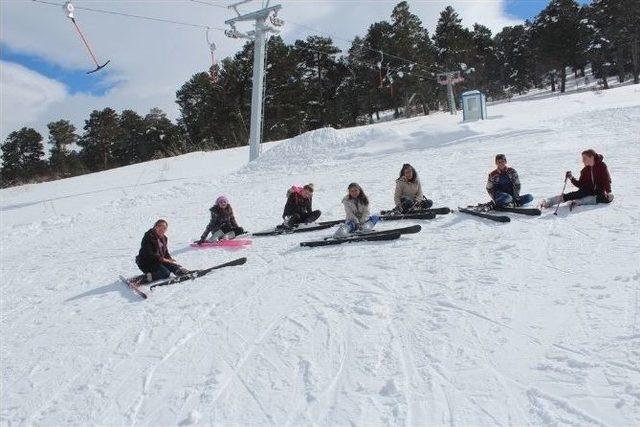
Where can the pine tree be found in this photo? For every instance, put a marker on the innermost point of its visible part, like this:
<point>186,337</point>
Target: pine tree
<point>514,59</point>
<point>284,86</point>
<point>410,41</point>
<point>62,134</point>
<point>485,64</point>
<point>101,139</point>
<point>453,42</point>
<point>131,148</point>
<point>615,36</point>
<point>22,157</point>
<point>317,55</point>
<point>162,138</point>
<point>558,37</point>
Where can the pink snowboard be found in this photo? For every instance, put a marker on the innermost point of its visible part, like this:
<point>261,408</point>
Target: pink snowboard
<point>235,243</point>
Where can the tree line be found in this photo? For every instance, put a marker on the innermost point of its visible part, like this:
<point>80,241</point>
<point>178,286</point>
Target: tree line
<point>311,84</point>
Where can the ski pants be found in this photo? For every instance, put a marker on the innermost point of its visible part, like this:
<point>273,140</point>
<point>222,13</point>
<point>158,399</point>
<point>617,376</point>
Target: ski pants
<point>503,199</point>
<point>164,271</point>
<point>299,218</point>
<point>576,195</point>
<point>225,229</point>
<point>407,203</point>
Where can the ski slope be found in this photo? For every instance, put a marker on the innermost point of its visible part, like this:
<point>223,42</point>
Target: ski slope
<point>470,322</point>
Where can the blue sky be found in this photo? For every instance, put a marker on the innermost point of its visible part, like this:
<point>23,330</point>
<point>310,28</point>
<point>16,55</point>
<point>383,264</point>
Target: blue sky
<point>75,80</point>
<point>527,9</point>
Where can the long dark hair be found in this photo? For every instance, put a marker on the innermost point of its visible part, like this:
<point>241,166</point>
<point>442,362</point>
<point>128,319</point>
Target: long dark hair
<point>362,198</point>
<point>228,210</point>
<point>406,166</point>
<point>591,153</point>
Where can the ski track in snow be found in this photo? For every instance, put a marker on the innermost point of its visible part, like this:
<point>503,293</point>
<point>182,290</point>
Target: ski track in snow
<point>467,323</point>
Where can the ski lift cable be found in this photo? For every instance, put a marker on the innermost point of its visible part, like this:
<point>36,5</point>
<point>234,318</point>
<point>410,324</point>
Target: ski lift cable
<point>206,3</point>
<point>366,64</point>
<point>130,15</point>
<point>362,47</point>
<point>335,37</point>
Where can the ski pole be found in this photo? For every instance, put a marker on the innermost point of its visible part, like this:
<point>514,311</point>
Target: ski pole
<point>561,193</point>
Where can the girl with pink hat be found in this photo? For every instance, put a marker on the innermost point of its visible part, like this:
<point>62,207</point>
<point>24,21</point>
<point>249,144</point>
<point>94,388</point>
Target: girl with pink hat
<point>223,223</point>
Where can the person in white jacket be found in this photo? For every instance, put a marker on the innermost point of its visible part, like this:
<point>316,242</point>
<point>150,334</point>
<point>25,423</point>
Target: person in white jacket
<point>408,195</point>
<point>357,214</point>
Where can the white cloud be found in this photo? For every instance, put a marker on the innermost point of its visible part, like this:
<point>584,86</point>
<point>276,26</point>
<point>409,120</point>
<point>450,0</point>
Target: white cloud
<point>151,60</point>
<point>24,96</point>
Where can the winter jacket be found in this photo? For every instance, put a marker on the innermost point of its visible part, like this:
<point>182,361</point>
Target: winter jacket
<point>153,249</point>
<point>297,204</point>
<point>494,179</point>
<point>594,179</point>
<point>220,218</point>
<point>406,188</point>
<point>355,210</point>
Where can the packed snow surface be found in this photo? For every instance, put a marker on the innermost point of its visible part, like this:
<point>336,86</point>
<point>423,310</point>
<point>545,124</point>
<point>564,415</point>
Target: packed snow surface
<point>470,322</point>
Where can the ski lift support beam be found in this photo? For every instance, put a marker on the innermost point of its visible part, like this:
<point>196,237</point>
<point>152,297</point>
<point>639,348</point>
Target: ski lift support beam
<point>259,37</point>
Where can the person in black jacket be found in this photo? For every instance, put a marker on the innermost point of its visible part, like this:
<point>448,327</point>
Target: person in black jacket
<point>222,222</point>
<point>154,258</point>
<point>297,210</point>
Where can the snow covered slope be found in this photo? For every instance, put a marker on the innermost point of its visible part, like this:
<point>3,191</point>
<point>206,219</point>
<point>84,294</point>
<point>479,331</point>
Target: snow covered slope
<point>466,323</point>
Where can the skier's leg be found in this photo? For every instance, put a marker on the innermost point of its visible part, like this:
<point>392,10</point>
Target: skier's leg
<point>502,199</point>
<point>346,229</point>
<point>575,195</point>
<point>176,269</point>
<point>370,223</point>
<point>314,215</point>
<point>426,203</point>
<point>407,203</point>
<point>161,273</point>
<point>601,198</point>
<point>523,199</point>
<point>589,200</point>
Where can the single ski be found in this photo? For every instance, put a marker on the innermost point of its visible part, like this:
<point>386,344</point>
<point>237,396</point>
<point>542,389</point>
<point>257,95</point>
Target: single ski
<point>417,215</point>
<point>299,229</point>
<point>437,211</point>
<point>412,229</point>
<point>233,243</point>
<point>498,218</point>
<point>371,237</point>
<point>356,237</point>
<point>195,273</point>
<point>131,284</point>
<point>523,211</point>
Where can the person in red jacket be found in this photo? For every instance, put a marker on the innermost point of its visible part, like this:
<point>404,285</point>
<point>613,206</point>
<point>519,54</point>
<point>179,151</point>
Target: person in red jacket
<point>594,184</point>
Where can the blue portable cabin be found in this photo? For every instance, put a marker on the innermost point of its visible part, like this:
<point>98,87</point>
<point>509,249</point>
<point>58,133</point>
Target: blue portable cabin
<point>474,106</point>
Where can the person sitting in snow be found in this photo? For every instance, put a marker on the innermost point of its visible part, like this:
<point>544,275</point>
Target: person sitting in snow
<point>503,185</point>
<point>408,195</point>
<point>298,208</point>
<point>223,223</point>
<point>154,258</point>
<point>594,184</point>
<point>356,208</point>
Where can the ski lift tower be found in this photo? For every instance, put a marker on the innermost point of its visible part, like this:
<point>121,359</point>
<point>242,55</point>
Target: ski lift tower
<point>449,78</point>
<point>259,38</point>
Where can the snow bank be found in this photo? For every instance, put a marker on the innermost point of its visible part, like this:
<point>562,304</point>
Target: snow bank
<point>466,323</point>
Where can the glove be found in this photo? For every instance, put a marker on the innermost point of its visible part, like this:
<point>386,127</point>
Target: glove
<point>568,175</point>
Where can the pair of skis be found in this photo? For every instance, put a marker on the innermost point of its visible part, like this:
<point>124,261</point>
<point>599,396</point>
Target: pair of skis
<point>134,283</point>
<point>372,236</point>
<point>390,215</point>
<point>482,211</point>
